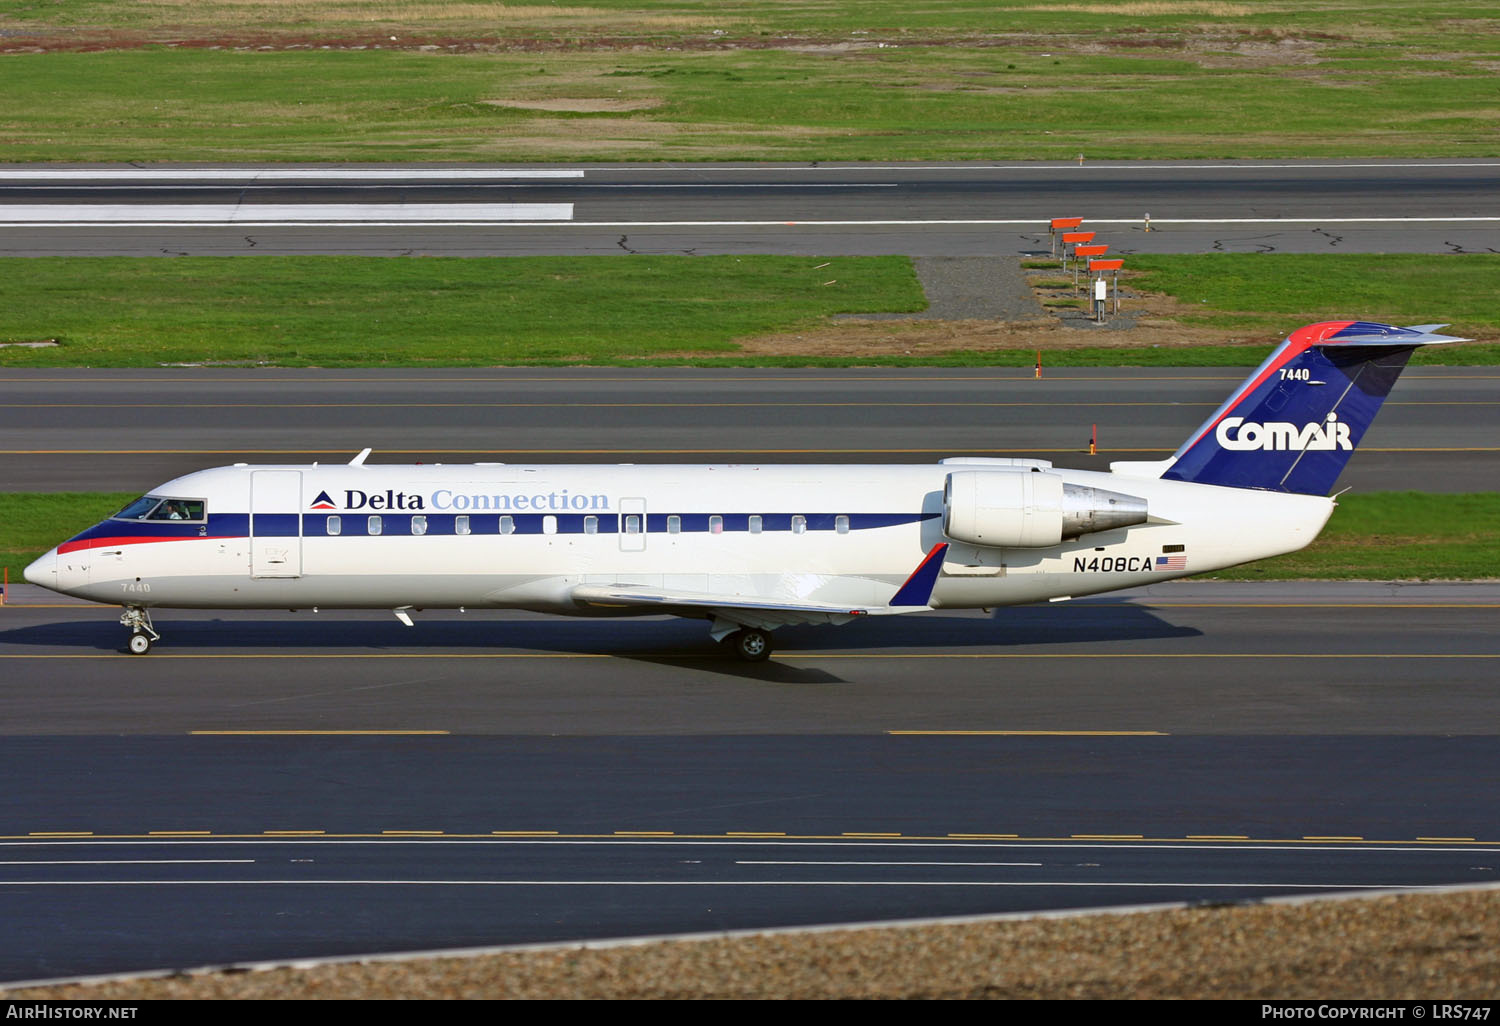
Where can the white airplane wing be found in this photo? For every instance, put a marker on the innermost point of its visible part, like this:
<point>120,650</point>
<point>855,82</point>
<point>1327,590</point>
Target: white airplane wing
<point>766,612</point>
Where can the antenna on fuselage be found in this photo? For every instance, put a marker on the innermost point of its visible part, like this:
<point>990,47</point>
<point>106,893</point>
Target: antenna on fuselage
<point>359,460</point>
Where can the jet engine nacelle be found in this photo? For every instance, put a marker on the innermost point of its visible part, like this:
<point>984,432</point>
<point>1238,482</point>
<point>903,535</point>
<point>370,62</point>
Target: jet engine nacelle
<point>1000,508</point>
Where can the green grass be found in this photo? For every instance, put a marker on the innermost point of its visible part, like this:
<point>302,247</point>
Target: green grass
<point>37,521</point>
<point>1395,536</point>
<point>780,81</point>
<point>373,311</point>
<point>1377,536</point>
<point>1260,291</point>
<point>345,311</point>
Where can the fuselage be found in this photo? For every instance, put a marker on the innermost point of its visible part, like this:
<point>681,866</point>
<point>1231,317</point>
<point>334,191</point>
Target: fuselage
<point>441,536</point>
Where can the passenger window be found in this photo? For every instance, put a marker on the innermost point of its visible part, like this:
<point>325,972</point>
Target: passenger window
<point>507,525</point>
<point>373,525</point>
<point>549,524</point>
<point>418,525</point>
<point>590,525</point>
<point>841,524</point>
<point>799,524</point>
<point>461,524</point>
<point>755,523</point>
<point>674,524</point>
<point>716,524</point>
<point>335,525</point>
<point>632,523</point>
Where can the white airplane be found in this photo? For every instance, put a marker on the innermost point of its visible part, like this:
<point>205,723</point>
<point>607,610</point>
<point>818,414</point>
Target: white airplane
<point>751,548</point>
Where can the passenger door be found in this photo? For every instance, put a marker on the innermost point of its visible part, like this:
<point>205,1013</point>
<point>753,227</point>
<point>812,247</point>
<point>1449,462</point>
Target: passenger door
<point>276,523</point>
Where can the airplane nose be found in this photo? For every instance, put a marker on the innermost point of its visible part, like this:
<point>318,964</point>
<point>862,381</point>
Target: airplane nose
<point>44,571</point>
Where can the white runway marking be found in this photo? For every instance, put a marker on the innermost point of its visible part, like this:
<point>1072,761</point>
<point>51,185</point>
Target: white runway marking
<point>67,214</point>
<point>186,186</point>
<point>416,174</point>
<point>130,862</point>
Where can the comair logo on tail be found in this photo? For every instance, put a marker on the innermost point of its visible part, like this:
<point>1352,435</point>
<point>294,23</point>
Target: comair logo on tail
<point>1240,435</point>
<point>1294,422</point>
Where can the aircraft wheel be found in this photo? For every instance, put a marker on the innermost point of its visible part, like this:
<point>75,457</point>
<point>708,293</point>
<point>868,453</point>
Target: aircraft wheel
<point>750,645</point>
<point>139,643</point>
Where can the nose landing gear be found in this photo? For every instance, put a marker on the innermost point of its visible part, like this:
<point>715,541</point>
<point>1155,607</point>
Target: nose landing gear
<point>142,634</point>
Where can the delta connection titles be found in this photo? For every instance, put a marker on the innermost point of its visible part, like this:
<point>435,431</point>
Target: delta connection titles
<point>448,499</point>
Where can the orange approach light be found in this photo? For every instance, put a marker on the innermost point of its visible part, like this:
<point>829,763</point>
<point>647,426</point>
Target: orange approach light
<point>1106,265</point>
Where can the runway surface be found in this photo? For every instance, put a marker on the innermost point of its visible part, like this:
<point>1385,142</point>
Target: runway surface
<point>270,786</point>
<point>140,906</point>
<point>127,430</point>
<point>829,209</point>
<point>112,907</point>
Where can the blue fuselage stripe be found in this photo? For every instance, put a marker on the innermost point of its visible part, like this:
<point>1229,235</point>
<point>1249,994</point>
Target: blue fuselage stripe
<point>361,524</point>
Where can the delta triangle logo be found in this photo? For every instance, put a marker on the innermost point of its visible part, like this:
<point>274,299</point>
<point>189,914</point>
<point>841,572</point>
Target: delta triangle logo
<point>323,502</point>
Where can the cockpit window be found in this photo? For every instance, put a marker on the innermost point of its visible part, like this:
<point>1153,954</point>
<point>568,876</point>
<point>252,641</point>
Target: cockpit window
<point>155,507</point>
<point>138,509</point>
<point>178,509</point>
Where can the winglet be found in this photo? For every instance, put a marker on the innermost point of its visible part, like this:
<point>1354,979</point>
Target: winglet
<point>917,591</point>
<point>359,460</point>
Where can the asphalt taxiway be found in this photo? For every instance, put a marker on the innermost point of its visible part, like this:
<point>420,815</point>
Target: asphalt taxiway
<point>79,429</point>
<point>1283,658</point>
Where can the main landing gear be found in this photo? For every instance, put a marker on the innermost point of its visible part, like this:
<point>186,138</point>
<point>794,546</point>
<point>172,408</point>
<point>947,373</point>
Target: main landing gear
<point>749,644</point>
<point>138,619</point>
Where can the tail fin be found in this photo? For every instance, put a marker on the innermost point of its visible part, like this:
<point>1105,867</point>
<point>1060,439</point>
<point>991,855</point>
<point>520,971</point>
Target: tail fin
<point>1294,423</point>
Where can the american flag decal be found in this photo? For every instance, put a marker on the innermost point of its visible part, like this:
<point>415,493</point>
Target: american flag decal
<point>1176,562</point>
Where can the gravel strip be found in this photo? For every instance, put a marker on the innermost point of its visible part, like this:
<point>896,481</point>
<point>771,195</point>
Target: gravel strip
<point>1403,947</point>
<point>968,289</point>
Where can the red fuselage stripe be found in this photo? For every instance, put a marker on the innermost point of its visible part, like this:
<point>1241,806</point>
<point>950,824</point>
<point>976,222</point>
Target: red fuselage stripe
<point>104,543</point>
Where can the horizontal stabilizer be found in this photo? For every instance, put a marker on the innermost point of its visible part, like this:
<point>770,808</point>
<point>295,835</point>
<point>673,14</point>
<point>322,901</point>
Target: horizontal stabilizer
<point>1368,333</point>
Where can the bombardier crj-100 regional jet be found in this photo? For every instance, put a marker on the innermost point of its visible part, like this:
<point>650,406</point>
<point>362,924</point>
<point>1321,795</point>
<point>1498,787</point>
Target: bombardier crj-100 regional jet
<point>751,548</point>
